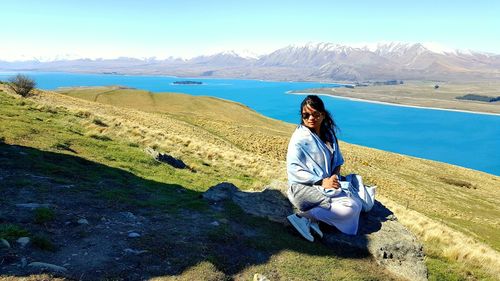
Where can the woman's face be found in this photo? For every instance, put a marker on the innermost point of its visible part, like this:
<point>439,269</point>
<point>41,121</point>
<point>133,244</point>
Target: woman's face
<point>312,118</point>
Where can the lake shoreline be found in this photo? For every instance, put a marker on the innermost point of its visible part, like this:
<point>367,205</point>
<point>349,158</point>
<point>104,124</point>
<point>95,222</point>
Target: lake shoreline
<point>393,104</point>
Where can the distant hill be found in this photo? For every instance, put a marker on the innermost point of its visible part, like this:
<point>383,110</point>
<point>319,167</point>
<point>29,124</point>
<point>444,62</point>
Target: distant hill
<point>320,62</point>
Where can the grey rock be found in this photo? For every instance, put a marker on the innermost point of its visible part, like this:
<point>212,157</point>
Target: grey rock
<point>215,223</point>
<point>379,233</point>
<point>220,192</point>
<point>129,216</point>
<point>165,158</point>
<point>4,243</point>
<point>269,203</point>
<point>134,235</point>
<point>24,262</point>
<point>83,221</point>
<point>23,241</point>
<point>48,266</point>
<point>388,241</point>
<point>32,205</point>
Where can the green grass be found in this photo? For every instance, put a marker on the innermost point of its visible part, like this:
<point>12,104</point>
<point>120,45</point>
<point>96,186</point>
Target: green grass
<point>12,232</point>
<point>44,215</point>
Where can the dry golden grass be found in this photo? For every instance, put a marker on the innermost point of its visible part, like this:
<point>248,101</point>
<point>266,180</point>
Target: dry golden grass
<point>205,270</point>
<point>457,208</point>
<point>452,244</point>
<point>34,277</point>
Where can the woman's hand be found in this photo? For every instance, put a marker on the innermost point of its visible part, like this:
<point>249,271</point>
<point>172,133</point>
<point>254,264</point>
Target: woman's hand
<point>331,182</point>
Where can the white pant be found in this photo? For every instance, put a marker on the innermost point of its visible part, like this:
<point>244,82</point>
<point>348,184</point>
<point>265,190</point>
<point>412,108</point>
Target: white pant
<point>343,214</point>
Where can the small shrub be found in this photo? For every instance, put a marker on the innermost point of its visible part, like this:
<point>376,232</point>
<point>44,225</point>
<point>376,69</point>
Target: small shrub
<point>43,215</point>
<point>12,232</point>
<point>43,242</point>
<point>22,85</point>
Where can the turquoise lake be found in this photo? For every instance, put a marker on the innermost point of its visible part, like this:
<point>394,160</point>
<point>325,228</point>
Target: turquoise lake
<point>464,139</point>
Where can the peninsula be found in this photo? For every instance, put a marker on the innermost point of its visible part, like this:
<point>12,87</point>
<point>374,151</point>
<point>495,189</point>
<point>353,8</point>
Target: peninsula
<point>428,94</point>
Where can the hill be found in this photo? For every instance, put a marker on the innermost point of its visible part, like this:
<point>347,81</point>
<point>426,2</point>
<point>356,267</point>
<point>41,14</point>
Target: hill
<point>309,62</point>
<point>90,153</point>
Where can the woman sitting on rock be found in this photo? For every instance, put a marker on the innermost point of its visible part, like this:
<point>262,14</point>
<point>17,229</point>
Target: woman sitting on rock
<point>313,166</point>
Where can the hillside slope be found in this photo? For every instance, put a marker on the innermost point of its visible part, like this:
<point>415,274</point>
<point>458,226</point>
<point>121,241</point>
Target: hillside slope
<point>454,210</point>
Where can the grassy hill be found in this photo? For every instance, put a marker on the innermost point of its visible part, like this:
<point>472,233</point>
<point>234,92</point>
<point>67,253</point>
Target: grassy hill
<point>98,139</point>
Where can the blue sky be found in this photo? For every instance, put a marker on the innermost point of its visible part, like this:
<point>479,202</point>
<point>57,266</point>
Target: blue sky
<point>187,28</point>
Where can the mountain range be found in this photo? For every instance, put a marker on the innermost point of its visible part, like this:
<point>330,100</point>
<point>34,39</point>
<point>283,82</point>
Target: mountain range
<point>309,62</point>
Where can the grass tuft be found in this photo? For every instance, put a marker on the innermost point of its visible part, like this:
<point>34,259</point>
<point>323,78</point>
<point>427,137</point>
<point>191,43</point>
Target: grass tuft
<point>12,231</point>
<point>63,145</point>
<point>99,122</point>
<point>44,215</point>
<point>100,137</point>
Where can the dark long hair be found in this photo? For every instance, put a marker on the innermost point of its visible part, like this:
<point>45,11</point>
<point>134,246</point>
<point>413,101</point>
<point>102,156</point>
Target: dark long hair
<point>328,123</point>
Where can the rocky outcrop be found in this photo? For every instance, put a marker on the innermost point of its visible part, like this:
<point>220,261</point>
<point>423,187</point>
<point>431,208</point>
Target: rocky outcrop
<point>165,158</point>
<point>380,233</point>
<point>268,203</point>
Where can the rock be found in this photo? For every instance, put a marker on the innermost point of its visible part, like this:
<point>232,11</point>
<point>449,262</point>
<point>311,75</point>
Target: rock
<point>129,216</point>
<point>4,243</point>
<point>165,158</point>
<point>388,241</point>
<point>380,233</point>
<point>32,205</point>
<point>220,192</point>
<point>215,223</point>
<point>24,262</point>
<point>259,277</point>
<point>23,241</point>
<point>83,221</point>
<point>270,203</point>
<point>45,266</point>
<point>134,235</point>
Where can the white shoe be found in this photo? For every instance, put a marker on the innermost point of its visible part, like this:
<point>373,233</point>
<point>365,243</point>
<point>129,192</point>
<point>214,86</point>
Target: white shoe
<point>315,227</point>
<point>302,225</point>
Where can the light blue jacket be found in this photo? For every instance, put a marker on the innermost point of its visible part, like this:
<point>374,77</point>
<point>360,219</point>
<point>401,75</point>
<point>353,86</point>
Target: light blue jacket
<point>308,158</point>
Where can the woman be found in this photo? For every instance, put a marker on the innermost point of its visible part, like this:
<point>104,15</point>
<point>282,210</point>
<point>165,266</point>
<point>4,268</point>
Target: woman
<point>313,166</point>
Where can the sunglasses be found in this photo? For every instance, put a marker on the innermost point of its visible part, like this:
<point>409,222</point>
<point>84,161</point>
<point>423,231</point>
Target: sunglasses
<point>315,115</point>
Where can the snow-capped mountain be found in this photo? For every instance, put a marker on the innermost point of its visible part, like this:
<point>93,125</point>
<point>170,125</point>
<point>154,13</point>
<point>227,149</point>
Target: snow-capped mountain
<point>311,61</point>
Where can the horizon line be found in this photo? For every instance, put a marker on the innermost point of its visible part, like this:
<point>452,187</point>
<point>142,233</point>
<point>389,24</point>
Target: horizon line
<point>243,53</point>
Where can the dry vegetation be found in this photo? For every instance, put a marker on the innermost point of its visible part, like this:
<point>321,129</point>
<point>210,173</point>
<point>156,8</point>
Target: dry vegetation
<point>454,210</point>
